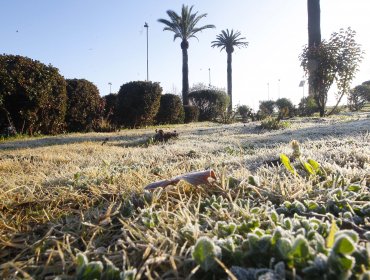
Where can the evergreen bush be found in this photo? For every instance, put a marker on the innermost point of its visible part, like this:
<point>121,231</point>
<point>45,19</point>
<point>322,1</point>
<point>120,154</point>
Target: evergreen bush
<point>33,96</point>
<point>191,113</point>
<point>84,105</point>
<point>211,103</point>
<point>138,103</point>
<point>170,110</point>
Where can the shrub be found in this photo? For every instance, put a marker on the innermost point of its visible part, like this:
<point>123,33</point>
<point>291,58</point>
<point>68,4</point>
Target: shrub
<point>246,113</point>
<point>307,106</point>
<point>138,103</point>
<point>32,96</point>
<point>271,123</point>
<point>211,103</point>
<point>110,103</point>
<point>358,97</point>
<point>84,105</point>
<point>266,108</point>
<point>170,110</point>
<point>191,113</point>
<point>285,108</point>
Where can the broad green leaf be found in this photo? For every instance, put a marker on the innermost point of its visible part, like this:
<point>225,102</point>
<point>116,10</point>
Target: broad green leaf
<point>90,271</point>
<point>354,187</point>
<point>333,231</point>
<point>311,205</point>
<point>204,253</point>
<point>253,180</point>
<point>315,165</point>
<point>283,246</point>
<point>308,167</point>
<point>81,259</point>
<point>286,161</point>
<point>350,233</point>
<point>343,245</point>
<point>300,247</point>
<point>346,262</point>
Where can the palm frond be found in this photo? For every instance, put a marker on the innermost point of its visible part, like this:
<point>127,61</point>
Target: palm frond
<point>228,40</point>
<point>185,25</point>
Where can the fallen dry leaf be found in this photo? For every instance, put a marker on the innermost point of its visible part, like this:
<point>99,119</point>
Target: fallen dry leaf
<point>193,178</point>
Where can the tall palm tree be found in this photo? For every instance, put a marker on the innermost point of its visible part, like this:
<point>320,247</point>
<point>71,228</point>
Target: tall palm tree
<point>184,27</point>
<point>314,34</point>
<point>314,30</point>
<point>227,40</point>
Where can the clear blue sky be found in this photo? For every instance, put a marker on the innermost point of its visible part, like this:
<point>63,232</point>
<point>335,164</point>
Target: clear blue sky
<point>105,41</point>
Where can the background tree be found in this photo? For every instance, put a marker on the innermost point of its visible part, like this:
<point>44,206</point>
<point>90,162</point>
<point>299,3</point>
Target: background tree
<point>138,103</point>
<point>227,40</point>
<point>211,103</point>
<point>245,112</point>
<point>32,96</point>
<point>185,27</point>
<point>285,107</point>
<point>170,110</point>
<point>84,105</point>
<point>314,33</point>
<point>266,108</point>
<point>337,60</point>
<point>358,97</point>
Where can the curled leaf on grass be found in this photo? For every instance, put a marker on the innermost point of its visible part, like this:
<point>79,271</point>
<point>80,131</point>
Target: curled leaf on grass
<point>193,178</point>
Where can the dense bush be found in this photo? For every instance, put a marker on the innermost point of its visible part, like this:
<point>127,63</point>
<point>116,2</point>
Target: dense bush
<point>84,105</point>
<point>358,97</point>
<point>191,113</point>
<point>32,96</point>
<point>307,106</point>
<point>211,103</point>
<point>285,107</point>
<point>110,103</point>
<point>138,103</point>
<point>170,110</point>
<point>246,113</point>
<point>266,108</point>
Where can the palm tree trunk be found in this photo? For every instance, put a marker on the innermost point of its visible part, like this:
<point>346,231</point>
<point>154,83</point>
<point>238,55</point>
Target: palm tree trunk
<point>185,72</point>
<point>229,81</point>
<point>314,32</point>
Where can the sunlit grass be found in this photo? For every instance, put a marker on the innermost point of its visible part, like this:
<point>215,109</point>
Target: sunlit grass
<point>79,193</point>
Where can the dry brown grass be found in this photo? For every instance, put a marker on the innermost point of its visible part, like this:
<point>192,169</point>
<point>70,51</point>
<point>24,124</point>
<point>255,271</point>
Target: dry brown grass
<point>65,194</point>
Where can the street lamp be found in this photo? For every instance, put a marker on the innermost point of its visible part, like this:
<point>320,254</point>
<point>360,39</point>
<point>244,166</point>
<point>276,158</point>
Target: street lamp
<point>110,87</point>
<point>147,51</point>
<point>209,77</point>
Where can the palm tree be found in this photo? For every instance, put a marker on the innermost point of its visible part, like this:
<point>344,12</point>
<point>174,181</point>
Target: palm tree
<point>227,40</point>
<point>314,33</point>
<point>314,30</point>
<point>184,27</point>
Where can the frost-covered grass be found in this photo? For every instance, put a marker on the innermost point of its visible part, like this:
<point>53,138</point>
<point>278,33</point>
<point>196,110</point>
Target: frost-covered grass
<point>74,202</point>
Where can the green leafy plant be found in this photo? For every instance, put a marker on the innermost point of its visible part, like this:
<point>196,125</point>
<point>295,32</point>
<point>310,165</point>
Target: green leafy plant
<point>204,253</point>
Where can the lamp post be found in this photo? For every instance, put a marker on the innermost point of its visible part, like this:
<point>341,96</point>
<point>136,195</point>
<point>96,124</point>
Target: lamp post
<point>209,77</point>
<point>110,87</point>
<point>147,51</point>
<point>279,88</point>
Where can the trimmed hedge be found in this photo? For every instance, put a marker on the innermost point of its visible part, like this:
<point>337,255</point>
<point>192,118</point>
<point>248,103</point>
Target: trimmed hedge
<point>84,105</point>
<point>33,96</point>
<point>191,113</point>
<point>211,103</point>
<point>138,103</point>
<point>171,110</point>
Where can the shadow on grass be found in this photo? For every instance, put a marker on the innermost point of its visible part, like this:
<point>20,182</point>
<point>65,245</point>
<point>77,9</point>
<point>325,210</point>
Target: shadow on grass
<point>124,140</point>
